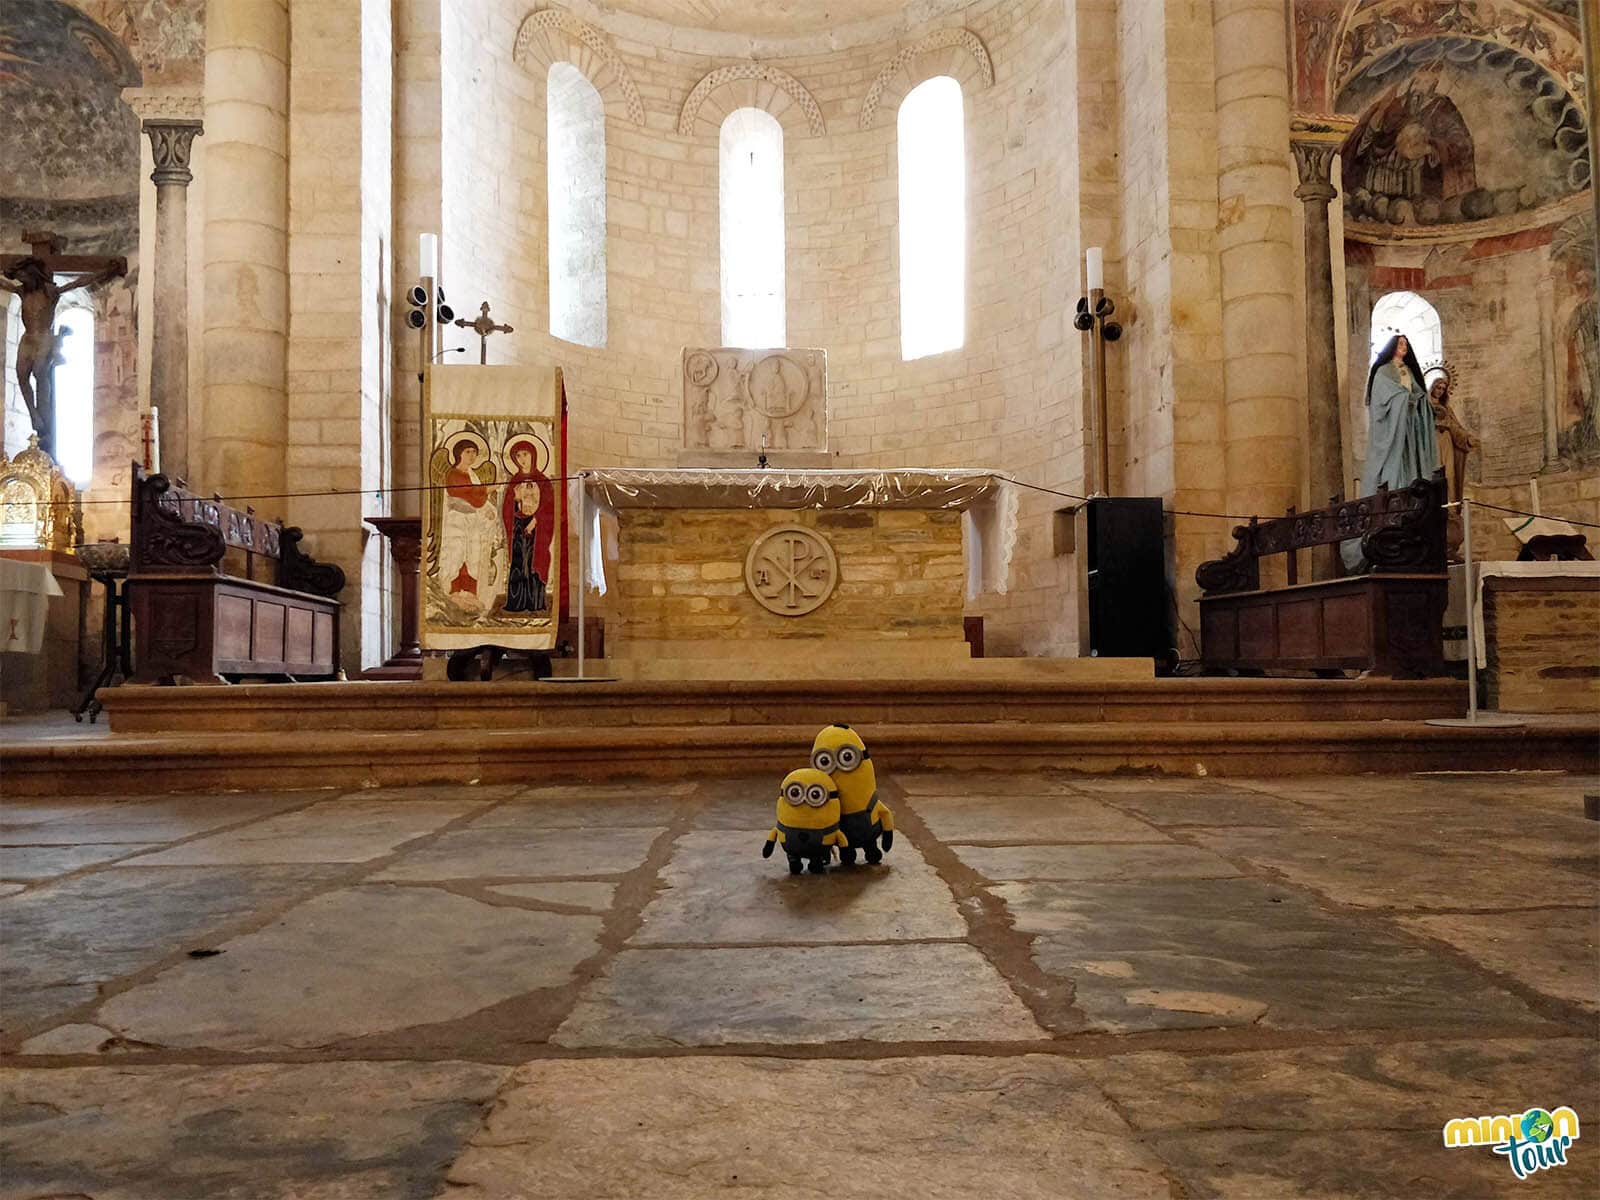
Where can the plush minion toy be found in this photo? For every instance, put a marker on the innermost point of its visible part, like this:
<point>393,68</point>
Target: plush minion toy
<point>840,753</point>
<point>808,821</point>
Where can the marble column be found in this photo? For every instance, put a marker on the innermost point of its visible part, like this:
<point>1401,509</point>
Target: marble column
<point>170,143</point>
<point>1313,160</point>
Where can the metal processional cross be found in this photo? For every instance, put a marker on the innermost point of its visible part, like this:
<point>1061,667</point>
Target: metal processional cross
<point>483,325</point>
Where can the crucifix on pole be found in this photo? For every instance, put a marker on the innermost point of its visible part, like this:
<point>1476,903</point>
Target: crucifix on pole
<point>33,277</point>
<point>483,325</point>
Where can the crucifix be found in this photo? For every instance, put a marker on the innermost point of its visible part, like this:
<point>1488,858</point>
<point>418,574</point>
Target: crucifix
<point>483,325</point>
<point>33,277</point>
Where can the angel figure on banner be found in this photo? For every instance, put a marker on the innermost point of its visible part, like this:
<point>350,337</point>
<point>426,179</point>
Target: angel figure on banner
<point>470,545</point>
<point>527,515</point>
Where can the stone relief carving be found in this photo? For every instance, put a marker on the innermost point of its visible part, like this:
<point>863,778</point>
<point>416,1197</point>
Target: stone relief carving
<point>791,570</point>
<point>979,72</point>
<point>757,72</point>
<point>733,398</point>
<point>568,38</point>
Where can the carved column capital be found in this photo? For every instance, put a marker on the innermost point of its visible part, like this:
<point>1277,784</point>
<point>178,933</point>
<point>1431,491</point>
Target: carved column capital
<point>170,142</point>
<point>1314,162</point>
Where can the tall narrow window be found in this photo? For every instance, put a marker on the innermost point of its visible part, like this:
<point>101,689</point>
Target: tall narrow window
<point>576,177</point>
<point>74,392</point>
<point>933,219</point>
<point>751,201</point>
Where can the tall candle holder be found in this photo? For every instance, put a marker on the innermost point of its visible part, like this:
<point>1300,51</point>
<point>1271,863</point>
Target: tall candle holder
<point>1093,317</point>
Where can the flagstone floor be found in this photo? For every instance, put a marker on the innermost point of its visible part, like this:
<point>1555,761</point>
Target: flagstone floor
<point>1055,986</point>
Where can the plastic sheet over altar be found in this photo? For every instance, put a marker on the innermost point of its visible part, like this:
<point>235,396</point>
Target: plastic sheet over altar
<point>987,503</point>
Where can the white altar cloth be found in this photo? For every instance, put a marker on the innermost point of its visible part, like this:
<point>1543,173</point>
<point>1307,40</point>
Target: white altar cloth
<point>25,592</point>
<point>986,500</point>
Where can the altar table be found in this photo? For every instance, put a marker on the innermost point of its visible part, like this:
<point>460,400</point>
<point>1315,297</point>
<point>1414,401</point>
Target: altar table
<point>765,573</point>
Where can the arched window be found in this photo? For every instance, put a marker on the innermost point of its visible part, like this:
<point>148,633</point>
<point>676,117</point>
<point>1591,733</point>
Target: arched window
<point>933,219</point>
<point>74,390</point>
<point>576,178</point>
<point>1410,314</point>
<point>74,386</point>
<point>751,203</point>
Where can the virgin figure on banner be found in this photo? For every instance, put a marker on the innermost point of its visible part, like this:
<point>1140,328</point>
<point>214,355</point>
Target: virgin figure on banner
<point>527,516</point>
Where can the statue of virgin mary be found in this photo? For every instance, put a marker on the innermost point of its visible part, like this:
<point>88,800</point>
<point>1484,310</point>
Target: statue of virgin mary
<point>1402,445</point>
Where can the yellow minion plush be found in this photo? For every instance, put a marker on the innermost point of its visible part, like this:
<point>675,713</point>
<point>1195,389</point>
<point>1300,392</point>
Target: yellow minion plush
<point>808,821</point>
<point>840,754</point>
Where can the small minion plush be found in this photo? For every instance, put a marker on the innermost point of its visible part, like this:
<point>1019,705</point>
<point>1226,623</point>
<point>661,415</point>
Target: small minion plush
<point>808,820</point>
<point>840,753</point>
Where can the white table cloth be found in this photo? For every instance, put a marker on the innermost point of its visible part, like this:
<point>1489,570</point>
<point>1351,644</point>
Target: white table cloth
<point>25,592</point>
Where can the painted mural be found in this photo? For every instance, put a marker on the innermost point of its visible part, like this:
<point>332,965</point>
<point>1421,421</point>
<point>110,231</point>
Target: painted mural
<point>1577,321</point>
<point>167,38</point>
<point>1454,129</point>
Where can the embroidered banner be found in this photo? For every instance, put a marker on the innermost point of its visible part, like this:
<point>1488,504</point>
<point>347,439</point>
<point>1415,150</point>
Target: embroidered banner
<point>492,551</point>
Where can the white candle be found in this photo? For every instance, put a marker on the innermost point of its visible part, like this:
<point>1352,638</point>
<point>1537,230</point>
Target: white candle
<point>155,439</point>
<point>429,254</point>
<point>1094,264</point>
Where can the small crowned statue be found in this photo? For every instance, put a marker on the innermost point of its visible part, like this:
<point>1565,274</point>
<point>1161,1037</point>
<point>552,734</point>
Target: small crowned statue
<point>1455,443</point>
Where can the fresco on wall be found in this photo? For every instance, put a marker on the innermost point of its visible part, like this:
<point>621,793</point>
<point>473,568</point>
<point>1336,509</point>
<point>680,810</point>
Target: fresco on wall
<point>1578,341</point>
<point>69,145</point>
<point>167,38</point>
<point>1454,129</point>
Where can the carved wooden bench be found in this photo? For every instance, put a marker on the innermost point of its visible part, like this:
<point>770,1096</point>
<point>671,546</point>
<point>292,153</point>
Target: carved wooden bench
<point>1389,621</point>
<point>192,618</point>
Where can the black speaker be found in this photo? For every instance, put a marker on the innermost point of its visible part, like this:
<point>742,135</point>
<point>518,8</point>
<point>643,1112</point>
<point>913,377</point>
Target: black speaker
<point>1129,613</point>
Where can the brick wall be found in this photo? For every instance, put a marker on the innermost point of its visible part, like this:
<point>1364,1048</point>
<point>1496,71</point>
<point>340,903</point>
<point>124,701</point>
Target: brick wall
<point>1544,639</point>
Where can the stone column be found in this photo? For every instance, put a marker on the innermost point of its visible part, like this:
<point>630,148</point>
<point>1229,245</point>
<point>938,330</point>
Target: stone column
<point>247,248</point>
<point>170,143</point>
<point>1313,159</point>
<point>1256,256</point>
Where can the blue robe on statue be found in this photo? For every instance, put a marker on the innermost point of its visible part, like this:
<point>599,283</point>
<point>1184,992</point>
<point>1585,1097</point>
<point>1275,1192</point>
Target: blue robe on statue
<point>1402,446</point>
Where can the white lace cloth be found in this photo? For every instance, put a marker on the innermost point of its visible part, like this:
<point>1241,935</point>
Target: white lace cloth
<point>987,502</point>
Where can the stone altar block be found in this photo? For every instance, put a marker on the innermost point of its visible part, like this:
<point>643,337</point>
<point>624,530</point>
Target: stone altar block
<point>792,574</point>
<point>734,398</point>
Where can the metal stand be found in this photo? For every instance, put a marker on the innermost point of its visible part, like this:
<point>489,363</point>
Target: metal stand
<point>115,662</point>
<point>1474,719</point>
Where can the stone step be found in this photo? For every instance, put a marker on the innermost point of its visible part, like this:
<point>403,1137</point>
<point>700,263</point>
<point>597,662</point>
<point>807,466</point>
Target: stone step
<point>632,704</point>
<point>258,761</point>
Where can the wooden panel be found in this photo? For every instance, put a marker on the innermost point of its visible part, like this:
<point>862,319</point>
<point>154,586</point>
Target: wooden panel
<point>267,644</point>
<point>1299,628</point>
<point>1347,625</point>
<point>1258,634</point>
<point>322,649</point>
<point>233,627</point>
<point>1219,631</point>
<point>299,639</point>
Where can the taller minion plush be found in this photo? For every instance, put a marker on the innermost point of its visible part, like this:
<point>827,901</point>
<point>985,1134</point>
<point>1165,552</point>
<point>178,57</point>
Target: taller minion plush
<point>808,821</point>
<point>840,753</point>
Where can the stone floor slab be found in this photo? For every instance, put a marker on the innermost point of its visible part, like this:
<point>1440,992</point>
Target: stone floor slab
<point>325,1131</point>
<point>27,863</point>
<point>511,853</point>
<point>719,890</point>
<point>64,939</point>
<point>152,819</point>
<point>1330,1123</point>
<point>594,896</point>
<point>1013,819</point>
<point>967,785</point>
<point>1185,953</point>
<point>1556,951</point>
<point>797,995</point>
<point>353,963</point>
<point>1398,868</point>
<point>600,812</point>
<point>938,1128</point>
<point>326,832</point>
<point>1106,861</point>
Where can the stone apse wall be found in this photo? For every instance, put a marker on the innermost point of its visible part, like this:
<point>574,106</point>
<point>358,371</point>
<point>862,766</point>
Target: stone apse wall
<point>1466,180</point>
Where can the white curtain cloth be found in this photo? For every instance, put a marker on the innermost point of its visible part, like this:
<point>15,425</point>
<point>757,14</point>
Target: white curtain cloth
<point>25,592</point>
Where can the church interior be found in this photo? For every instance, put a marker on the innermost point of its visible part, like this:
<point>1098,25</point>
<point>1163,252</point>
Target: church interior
<point>594,592</point>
